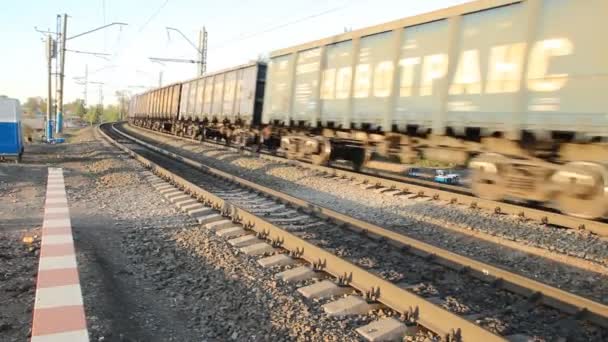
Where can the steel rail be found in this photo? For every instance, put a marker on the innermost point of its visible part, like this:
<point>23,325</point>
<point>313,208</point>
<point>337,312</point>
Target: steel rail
<point>429,315</point>
<point>543,293</point>
<point>424,188</point>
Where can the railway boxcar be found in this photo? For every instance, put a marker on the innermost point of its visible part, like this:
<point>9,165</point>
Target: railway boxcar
<point>224,104</point>
<point>513,88</point>
<point>156,109</point>
<point>11,138</point>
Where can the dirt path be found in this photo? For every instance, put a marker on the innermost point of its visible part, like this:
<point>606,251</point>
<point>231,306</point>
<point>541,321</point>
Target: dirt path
<point>22,189</point>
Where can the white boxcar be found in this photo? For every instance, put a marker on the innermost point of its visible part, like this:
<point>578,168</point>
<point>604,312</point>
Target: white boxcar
<point>497,66</point>
<point>232,94</point>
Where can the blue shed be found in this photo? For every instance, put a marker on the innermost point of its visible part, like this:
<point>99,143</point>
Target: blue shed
<point>11,140</point>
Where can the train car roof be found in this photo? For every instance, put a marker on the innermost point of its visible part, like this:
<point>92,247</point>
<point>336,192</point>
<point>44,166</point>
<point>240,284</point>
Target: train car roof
<point>221,71</point>
<point>466,8</point>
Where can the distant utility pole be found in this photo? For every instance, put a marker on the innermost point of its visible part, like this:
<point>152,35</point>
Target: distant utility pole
<point>160,78</point>
<point>50,53</point>
<point>56,74</point>
<point>86,83</point>
<point>61,60</point>
<point>201,51</point>
<point>63,35</point>
<point>124,97</point>
<point>101,96</point>
<point>100,100</point>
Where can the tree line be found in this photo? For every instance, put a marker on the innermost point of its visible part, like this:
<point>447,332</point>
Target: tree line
<point>92,114</point>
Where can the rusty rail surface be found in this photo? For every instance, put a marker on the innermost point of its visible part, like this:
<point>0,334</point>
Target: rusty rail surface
<point>429,315</point>
<point>543,293</point>
<point>451,194</point>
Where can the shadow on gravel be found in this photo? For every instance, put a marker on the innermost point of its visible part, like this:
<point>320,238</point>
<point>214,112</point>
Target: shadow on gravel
<point>18,224</point>
<point>139,285</point>
<point>56,154</point>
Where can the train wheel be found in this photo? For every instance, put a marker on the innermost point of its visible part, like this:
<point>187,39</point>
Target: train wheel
<point>360,158</point>
<point>589,207</point>
<point>488,185</point>
<point>582,190</point>
<point>290,148</point>
<point>290,155</point>
<point>323,153</point>
<point>408,155</point>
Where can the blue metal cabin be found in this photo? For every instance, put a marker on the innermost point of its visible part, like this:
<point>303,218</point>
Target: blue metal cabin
<point>11,139</point>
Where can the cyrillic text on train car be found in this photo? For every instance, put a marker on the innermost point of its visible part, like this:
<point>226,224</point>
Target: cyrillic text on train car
<point>503,74</point>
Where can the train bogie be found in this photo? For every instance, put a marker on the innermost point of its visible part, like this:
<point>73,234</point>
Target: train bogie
<point>577,188</point>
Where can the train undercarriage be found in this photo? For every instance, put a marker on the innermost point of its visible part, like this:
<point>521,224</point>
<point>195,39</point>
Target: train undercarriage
<point>571,177</point>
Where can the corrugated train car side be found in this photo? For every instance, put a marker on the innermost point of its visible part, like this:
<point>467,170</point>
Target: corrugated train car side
<point>223,105</point>
<point>156,109</point>
<point>514,89</point>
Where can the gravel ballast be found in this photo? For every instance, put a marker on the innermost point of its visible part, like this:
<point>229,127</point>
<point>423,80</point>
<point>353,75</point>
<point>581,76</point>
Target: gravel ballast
<point>149,273</point>
<point>499,311</point>
<point>422,219</point>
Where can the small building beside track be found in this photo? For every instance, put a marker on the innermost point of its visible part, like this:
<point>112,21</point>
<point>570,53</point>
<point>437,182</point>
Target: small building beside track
<point>11,138</point>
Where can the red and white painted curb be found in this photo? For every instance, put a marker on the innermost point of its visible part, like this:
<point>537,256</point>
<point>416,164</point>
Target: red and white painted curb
<point>58,310</point>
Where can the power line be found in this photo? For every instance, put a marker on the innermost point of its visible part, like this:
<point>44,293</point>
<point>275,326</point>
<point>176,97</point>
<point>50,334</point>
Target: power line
<point>142,27</point>
<point>280,26</point>
<point>105,34</point>
<point>130,40</point>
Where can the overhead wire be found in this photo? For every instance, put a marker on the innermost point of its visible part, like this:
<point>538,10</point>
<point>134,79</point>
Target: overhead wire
<point>105,34</point>
<point>241,37</point>
<point>129,42</point>
<point>142,27</point>
<point>279,26</point>
<point>283,25</point>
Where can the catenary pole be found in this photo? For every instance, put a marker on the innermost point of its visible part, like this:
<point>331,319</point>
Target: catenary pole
<point>61,74</point>
<point>86,83</point>
<point>57,60</point>
<point>49,98</point>
<point>204,57</point>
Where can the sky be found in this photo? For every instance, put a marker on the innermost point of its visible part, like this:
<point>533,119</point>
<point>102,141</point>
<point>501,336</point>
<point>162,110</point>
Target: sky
<point>238,31</point>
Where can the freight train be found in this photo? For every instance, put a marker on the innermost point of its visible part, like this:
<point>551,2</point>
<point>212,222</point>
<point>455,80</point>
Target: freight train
<point>515,90</point>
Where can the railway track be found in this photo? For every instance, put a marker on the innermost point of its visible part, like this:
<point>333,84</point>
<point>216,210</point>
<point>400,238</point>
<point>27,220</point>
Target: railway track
<point>446,293</point>
<point>444,193</point>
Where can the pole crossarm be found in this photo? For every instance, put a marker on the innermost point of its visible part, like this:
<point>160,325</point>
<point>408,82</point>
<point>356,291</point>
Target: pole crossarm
<point>184,36</point>
<point>96,29</point>
<point>89,53</point>
<point>175,60</point>
<point>45,32</point>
